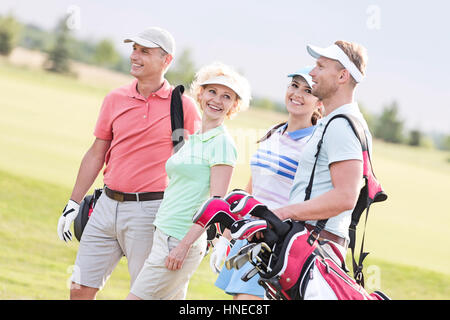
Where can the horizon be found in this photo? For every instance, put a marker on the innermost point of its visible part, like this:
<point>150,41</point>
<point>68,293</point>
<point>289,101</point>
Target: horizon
<point>248,34</point>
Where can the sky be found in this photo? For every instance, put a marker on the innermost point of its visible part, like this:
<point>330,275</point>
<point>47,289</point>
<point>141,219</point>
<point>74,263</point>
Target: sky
<point>407,41</point>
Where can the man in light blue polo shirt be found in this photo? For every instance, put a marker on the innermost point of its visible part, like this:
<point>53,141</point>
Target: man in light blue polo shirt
<point>338,174</point>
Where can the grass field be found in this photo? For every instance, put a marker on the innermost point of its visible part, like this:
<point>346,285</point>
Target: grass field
<point>46,126</point>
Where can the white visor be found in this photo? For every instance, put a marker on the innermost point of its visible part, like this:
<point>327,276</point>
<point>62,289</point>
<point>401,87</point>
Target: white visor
<point>223,80</point>
<point>336,53</point>
<point>304,73</point>
<point>143,42</point>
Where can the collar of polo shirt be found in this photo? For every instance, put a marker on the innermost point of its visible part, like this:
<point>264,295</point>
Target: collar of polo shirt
<point>163,92</point>
<point>210,133</point>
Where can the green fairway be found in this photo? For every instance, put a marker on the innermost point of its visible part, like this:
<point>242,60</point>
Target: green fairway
<point>46,126</point>
<point>35,264</point>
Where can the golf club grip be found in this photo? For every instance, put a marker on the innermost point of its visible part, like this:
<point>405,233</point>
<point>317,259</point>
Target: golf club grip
<point>280,228</point>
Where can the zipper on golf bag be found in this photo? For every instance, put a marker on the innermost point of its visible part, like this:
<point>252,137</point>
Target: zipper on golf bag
<point>306,275</point>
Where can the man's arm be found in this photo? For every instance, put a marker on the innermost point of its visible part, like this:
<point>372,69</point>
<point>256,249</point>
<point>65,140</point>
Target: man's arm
<point>346,179</point>
<point>91,165</point>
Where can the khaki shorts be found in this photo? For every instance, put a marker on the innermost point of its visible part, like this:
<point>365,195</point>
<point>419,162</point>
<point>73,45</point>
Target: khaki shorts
<point>155,281</point>
<point>115,229</point>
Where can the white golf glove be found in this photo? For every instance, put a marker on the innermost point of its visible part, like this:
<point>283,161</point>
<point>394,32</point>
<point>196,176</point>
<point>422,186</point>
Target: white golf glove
<point>69,214</point>
<point>219,253</point>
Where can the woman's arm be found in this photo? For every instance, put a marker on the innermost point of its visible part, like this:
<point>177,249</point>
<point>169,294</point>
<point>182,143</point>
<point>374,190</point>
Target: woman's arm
<point>220,180</point>
<point>175,259</point>
<point>249,188</point>
<point>219,183</point>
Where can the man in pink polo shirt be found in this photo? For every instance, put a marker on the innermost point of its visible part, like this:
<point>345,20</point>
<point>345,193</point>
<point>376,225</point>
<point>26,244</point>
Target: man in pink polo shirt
<point>134,140</point>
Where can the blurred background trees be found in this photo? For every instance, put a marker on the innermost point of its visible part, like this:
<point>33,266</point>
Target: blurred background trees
<point>62,46</point>
<point>389,126</point>
<point>105,54</point>
<point>10,31</point>
<point>59,54</point>
<point>183,69</point>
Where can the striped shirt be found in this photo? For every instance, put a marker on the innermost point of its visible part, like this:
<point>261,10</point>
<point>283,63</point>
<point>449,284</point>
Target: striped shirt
<point>275,163</point>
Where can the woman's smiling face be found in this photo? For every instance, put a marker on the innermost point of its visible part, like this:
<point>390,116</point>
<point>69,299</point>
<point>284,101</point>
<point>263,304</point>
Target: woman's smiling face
<point>217,101</point>
<point>299,100</point>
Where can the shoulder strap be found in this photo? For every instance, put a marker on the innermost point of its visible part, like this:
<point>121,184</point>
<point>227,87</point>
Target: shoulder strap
<point>177,117</point>
<point>271,131</point>
<point>365,199</point>
<point>359,132</point>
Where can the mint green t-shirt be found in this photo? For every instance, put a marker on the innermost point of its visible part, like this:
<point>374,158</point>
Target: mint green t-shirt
<point>189,172</point>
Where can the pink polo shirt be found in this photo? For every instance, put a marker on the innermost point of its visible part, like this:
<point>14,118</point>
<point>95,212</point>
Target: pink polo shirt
<point>140,133</point>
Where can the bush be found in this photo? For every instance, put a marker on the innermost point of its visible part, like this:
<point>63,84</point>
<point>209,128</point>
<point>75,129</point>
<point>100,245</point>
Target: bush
<point>389,127</point>
<point>58,57</point>
<point>10,30</point>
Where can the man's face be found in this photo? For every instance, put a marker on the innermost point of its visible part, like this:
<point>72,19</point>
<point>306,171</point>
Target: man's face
<point>325,76</point>
<point>147,62</point>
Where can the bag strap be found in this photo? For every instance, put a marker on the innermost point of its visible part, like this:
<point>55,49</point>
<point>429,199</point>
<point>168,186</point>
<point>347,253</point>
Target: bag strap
<point>320,225</point>
<point>270,132</point>
<point>360,206</point>
<point>177,117</point>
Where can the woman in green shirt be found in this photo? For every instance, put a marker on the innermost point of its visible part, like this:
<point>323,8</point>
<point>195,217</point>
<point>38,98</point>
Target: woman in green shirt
<point>200,169</point>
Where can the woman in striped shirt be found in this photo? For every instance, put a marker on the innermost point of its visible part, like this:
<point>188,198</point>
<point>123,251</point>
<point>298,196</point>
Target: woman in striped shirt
<point>273,168</point>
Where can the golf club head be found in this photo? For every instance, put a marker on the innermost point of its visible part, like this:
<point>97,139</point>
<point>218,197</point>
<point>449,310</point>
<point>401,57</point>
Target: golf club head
<point>229,263</point>
<point>243,229</point>
<point>247,256</point>
<point>250,274</point>
<point>246,205</point>
<point>235,196</point>
<point>253,253</point>
<point>241,260</point>
<point>214,210</point>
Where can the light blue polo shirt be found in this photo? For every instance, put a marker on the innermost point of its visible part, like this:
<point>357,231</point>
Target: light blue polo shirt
<point>339,143</point>
<point>274,164</point>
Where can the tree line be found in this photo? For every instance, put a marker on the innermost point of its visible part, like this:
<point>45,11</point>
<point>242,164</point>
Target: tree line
<point>62,47</point>
<point>389,126</point>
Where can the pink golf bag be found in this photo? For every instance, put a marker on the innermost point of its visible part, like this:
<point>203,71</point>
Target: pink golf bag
<point>290,267</point>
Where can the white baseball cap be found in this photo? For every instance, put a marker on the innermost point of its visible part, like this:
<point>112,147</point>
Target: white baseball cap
<point>154,37</point>
<point>336,53</point>
<point>304,73</point>
<point>227,82</point>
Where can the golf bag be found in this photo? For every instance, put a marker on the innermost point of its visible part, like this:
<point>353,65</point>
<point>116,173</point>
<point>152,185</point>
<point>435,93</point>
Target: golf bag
<point>177,125</point>
<point>86,207</point>
<point>290,267</point>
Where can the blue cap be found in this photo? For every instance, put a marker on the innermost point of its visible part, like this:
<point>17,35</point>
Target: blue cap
<point>304,73</point>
